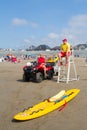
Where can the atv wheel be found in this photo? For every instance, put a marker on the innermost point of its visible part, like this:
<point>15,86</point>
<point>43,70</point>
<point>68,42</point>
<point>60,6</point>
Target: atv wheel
<point>50,75</point>
<point>25,78</point>
<point>39,77</point>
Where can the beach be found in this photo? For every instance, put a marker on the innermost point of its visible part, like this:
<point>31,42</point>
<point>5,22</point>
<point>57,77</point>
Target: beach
<point>16,95</point>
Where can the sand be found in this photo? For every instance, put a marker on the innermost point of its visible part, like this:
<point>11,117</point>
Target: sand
<point>15,95</point>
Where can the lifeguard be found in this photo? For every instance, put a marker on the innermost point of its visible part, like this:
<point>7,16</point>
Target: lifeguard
<point>42,62</point>
<point>65,51</point>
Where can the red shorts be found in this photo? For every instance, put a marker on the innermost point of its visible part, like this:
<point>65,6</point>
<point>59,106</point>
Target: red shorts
<point>63,54</point>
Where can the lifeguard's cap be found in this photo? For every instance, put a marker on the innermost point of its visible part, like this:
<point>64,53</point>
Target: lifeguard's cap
<point>64,40</point>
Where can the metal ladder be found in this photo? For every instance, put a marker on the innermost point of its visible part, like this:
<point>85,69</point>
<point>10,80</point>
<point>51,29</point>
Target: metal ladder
<point>64,72</point>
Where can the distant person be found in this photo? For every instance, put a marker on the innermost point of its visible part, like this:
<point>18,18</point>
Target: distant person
<point>13,59</point>
<point>64,51</point>
<point>86,61</point>
<point>42,62</point>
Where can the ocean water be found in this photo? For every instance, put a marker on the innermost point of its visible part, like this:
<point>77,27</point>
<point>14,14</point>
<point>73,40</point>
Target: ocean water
<point>76,53</point>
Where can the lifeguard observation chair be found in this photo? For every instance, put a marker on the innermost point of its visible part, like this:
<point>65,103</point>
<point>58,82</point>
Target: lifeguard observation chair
<point>67,73</point>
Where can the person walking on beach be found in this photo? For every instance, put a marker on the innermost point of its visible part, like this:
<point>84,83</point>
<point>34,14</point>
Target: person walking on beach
<point>64,51</point>
<point>86,61</point>
<point>42,62</point>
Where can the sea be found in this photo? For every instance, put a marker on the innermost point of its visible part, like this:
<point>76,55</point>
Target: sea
<point>76,53</point>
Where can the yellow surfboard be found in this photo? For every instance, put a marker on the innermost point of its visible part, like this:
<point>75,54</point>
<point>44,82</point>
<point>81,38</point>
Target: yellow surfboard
<point>53,59</point>
<point>47,106</point>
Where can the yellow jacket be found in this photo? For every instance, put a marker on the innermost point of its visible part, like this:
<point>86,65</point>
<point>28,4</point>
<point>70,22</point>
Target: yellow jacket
<point>65,47</point>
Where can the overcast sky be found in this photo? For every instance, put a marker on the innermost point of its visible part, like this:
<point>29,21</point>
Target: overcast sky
<point>34,22</point>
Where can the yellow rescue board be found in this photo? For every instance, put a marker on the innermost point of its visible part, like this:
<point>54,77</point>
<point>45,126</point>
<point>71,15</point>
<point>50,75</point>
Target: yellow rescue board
<point>55,59</point>
<point>46,106</point>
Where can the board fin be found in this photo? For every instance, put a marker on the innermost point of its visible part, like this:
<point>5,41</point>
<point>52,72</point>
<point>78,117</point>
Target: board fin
<point>63,106</point>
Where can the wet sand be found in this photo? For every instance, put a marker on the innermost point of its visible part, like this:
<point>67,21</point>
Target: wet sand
<point>16,95</point>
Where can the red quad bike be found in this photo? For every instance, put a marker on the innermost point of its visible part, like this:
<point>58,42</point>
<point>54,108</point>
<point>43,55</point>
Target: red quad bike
<point>35,72</point>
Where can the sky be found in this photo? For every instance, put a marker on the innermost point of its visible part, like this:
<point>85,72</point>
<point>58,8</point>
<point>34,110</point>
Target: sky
<point>33,22</point>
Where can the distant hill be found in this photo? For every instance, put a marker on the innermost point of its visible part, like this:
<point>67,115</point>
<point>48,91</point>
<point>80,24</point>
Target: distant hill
<point>32,47</point>
<point>46,47</point>
<point>56,48</point>
<point>42,47</point>
<point>80,46</point>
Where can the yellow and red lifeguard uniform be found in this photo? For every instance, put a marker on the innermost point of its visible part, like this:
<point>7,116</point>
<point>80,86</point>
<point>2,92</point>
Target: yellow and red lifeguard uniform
<point>65,49</point>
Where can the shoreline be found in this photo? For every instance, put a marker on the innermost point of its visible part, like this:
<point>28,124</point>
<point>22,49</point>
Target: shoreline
<point>77,53</point>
